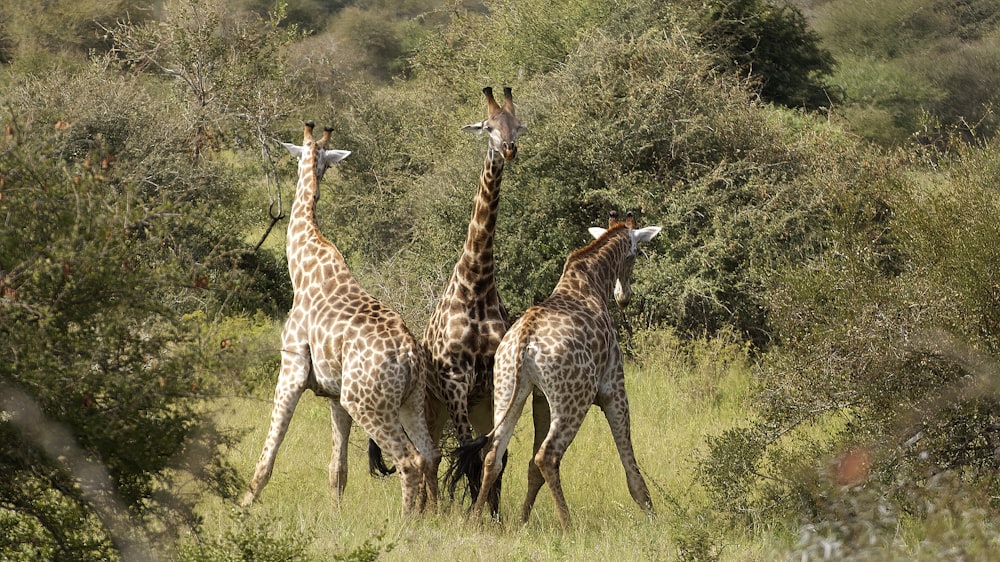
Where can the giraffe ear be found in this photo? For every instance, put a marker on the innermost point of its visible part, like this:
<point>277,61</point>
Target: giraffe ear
<point>477,128</point>
<point>334,156</point>
<point>293,149</point>
<point>597,231</point>
<point>646,234</point>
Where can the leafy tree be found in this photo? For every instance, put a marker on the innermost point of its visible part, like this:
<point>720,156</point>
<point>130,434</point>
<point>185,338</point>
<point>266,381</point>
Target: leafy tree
<point>92,305</point>
<point>772,45</point>
<point>228,69</point>
<point>120,243</point>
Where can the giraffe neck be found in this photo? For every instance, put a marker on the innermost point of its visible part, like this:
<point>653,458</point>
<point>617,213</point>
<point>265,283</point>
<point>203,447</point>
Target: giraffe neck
<point>304,242</point>
<point>592,271</point>
<point>477,254</point>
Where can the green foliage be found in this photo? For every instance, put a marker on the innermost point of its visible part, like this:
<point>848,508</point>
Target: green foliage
<point>112,233</point>
<point>508,42</point>
<point>89,325</point>
<point>225,68</point>
<point>878,346</point>
<point>36,36</point>
<point>374,41</point>
<point>771,44</point>
<point>939,515</point>
<point>238,354</point>
<point>733,192</point>
<point>903,62</point>
<point>249,539</point>
<point>367,552</point>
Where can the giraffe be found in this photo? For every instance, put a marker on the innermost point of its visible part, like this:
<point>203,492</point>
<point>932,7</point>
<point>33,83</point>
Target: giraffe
<point>465,328</point>
<point>343,344</point>
<point>565,353</point>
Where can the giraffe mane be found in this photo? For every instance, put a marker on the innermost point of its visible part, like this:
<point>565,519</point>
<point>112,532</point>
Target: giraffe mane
<point>590,248</point>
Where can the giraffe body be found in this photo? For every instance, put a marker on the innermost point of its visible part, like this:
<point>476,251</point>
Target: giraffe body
<point>343,344</point>
<point>565,353</point>
<point>465,328</point>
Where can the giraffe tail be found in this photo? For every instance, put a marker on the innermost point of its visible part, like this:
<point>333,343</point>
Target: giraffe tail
<point>467,459</point>
<point>467,463</point>
<point>376,463</point>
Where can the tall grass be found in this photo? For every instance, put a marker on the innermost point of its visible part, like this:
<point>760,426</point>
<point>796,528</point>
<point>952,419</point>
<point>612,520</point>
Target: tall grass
<point>678,394</point>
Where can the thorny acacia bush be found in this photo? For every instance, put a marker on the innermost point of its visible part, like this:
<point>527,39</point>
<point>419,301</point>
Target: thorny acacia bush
<point>886,346</point>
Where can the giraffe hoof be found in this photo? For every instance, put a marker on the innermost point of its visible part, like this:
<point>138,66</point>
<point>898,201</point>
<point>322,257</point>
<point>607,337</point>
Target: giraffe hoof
<point>247,499</point>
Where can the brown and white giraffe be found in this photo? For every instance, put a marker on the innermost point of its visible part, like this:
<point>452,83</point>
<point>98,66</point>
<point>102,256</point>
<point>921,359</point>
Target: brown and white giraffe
<point>343,344</point>
<point>466,326</point>
<point>565,352</point>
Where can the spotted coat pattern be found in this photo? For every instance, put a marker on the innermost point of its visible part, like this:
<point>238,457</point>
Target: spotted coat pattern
<point>565,353</point>
<point>343,344</point>
<point>465,328</point>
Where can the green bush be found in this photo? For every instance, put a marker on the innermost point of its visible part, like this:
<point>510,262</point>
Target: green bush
<point>886,341</point>
<point>248,540</point>
<point>89,318</point>
<point>114,232</point>
<point>914,69</point>
<point>772,45</point>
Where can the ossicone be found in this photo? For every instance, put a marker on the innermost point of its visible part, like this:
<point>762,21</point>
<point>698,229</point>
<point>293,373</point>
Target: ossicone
<point>491,103</point>
<point>508,99</point>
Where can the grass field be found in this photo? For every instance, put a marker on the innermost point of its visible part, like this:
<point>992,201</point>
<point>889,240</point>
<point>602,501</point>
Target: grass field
<point>678,396</point>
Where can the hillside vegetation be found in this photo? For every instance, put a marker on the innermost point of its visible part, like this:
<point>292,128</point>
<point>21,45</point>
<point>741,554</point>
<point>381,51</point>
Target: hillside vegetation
<point>816,324</point>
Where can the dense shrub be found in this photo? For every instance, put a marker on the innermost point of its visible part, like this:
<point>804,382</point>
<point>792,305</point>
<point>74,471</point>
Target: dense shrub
<point>114,234</point>
<point>772,44</point>
<point>893,360</point>
<point>90,322</point>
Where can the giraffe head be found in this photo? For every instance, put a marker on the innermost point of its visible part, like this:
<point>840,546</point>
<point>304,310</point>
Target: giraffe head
<point>321,157</point>
<point>623,283</point>
<point>500,123</point>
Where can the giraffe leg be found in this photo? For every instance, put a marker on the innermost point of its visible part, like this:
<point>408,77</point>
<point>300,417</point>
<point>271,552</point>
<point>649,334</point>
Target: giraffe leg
<point>341,423</point>
<point>436,413</point>
<point>540,418</point>
<point>481,416</point>
<point>458,405</point>
<point>566,422</point>
<point>457,394</point>
<point>413,418</point>
<point>502,434</point>
<point>389,434</point>
<point>615,408</point>
<point>291,384</point>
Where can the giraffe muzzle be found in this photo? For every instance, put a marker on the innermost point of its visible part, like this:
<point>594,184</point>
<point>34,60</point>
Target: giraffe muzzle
<point>509,150</point>
<point>623,294</point>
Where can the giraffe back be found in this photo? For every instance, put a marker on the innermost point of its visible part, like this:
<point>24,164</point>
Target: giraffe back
<point>568,344</point>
